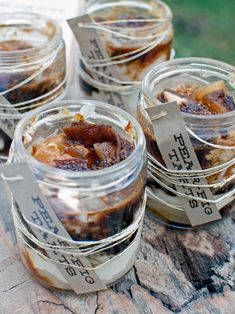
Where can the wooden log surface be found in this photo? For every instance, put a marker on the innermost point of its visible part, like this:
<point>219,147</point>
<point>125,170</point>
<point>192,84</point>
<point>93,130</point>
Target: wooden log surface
<point>176,271</point>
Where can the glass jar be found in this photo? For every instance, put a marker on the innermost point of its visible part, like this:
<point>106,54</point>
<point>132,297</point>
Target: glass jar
<point>137,35</point>
<point>32,64</point>
<point>92,205</point>
<point>212,136</point>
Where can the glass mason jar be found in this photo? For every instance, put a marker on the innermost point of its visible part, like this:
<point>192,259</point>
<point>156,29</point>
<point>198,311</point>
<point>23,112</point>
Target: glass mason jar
<point>137,35</point>
<point>92,205</point>
<point>32,65</point>
<point>213,136</point>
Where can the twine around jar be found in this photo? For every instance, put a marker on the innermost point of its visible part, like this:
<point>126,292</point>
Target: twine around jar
<point>76,248</point>
<point>43,64</point>
<point>166,177</point>
<point>120,86</point>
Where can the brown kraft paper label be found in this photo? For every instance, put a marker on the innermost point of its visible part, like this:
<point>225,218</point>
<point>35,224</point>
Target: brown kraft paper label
<point>93,49</point>
<point>178,154</point>
<point>36,209</point>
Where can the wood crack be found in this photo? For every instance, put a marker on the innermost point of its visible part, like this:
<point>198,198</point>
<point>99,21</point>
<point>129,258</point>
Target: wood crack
<point>136,276</point>
<point>57,304</point>
<point>173,307</point>
<point>15,286</point>
<point>196,296</point>
<point>152,292</point>
<point>97,303</point>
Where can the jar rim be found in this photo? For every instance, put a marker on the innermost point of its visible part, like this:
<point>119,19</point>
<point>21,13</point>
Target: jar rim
<point>129,161</point>
<point>93,6</point>
<point>194,61</point>
<point>51,44</point>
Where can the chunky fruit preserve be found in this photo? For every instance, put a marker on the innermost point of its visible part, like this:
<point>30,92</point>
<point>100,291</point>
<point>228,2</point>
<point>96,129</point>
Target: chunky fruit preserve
<point>204,92</point>
<point>90,162</point>
<point>32,65</point>
<point>136,36</point>
<point>202,100</point>
<point>84,146</point>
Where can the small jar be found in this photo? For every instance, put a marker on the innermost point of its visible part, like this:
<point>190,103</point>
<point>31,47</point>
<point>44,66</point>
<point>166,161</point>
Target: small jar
<point>92,205</point>
<point>137,36</point>
<point>32,64</point>
<point>212,135</point>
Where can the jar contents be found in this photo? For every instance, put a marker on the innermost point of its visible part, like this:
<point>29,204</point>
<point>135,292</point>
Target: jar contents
<point>134,21</point>
<point>13,45</point>
<point>83,146</point>
<point>201,100</point>
<point>211,99</point>
<point>32,65</point>
<point>40,85</point>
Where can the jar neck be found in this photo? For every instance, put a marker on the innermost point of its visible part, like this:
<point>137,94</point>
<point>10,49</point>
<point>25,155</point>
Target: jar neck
<point>157,15</point>
<point>111,178</point>
<point>28,23</point>
<point>117,177</point>
<point>205,71</point>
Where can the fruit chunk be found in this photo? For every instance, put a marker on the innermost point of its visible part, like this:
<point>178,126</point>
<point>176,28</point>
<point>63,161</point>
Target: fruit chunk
<point>106,152</point>
<point>170,96</point>
<point>88,134</point>
<point>195,108</point>
<point>50,150</point>
<point>209,99</point>
<point>208,89</point>
<point>217,102</point>
<point>186,104</point>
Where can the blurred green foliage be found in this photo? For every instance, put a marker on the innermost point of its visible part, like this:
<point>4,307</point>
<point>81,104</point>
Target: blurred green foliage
<point>204,28</point>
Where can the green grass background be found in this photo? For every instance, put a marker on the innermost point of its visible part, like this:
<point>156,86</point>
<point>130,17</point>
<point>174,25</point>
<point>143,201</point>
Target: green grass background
<point>204,28</point>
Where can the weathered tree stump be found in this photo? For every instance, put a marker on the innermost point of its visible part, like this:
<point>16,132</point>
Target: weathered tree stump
<point>175,271</point>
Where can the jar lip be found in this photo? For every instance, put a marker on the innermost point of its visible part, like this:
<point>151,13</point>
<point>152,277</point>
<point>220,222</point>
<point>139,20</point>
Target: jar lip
<point>93,6</point>
<point>130,160</point>
<point>51,44</point>
<point>193,61</point>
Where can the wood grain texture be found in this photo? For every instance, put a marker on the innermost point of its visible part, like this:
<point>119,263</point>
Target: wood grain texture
<point>176,271</point>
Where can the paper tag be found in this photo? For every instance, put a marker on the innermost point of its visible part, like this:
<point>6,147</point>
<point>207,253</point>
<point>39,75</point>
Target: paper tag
<point>178,154</point>
<point>36,209</point>
<point>8,125</point>
<point>93,49</point>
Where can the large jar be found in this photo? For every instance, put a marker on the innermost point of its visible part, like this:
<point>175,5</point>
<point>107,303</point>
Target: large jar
<point>212,134</point>
<point>32,65</point>
<point>92,205</point>
<point>137,35</point>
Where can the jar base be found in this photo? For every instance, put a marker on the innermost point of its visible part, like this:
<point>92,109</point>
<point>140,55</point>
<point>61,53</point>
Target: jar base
<point>47,274</point>
<point>176,225</point>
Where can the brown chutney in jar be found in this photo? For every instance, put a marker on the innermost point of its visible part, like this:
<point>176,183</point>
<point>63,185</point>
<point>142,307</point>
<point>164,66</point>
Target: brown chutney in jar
<point>32,65</point>
<point>89,160</point>
<point>137,36</point>
<point>204,91</point>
